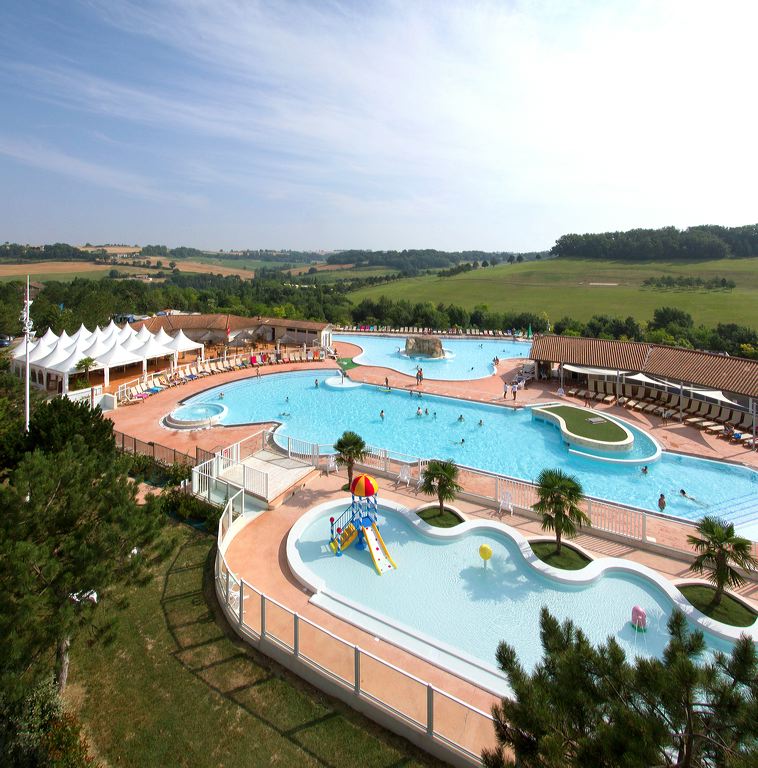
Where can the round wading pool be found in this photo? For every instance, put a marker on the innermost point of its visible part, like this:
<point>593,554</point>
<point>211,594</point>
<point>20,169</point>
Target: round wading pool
<point>195,416</point>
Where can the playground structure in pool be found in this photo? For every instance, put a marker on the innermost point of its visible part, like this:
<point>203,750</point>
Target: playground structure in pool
<point>357,524</point>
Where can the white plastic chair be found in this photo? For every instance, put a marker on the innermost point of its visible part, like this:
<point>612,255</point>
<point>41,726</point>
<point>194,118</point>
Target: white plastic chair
<point>404,476</point>
<point>331,464</point>
<point>506,503</point>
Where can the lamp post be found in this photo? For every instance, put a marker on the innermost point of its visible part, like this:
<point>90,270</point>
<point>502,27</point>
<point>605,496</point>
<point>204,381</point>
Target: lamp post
<point>27,326</point>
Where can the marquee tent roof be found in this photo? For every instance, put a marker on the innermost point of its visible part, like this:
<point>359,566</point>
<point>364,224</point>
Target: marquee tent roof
<point>162,337</point>
<point>117,356</point>
<point>50,337</point>
<point>151,348</point>
<point>180,343</point>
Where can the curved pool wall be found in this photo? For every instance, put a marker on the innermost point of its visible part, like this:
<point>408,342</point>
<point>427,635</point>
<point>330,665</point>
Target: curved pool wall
<point>464,360</point>
<point>443,605</point>
<point>508,443</point>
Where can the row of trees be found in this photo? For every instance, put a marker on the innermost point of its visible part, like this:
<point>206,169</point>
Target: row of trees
<point>689,283</point>
<point>667,244</point>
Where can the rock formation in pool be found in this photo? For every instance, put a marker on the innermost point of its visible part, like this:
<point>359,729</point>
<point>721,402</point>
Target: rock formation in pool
<point>423,346</point>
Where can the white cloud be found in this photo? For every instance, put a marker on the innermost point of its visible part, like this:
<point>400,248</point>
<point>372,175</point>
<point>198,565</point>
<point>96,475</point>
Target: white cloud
<point>51,159</point>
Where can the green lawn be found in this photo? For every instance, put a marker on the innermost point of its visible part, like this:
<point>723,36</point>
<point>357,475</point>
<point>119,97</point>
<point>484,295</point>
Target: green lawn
<point>729,611</point>
<point>578,421</point>
<point>562,287</point>
<point>570,559</point>
<point>432,516</point>
<point>176,688</point>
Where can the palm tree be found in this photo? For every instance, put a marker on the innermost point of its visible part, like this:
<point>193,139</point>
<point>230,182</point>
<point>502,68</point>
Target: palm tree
<point>84,365</point>
<point>440,479</point>
<point>718,550</point>
<point>559,496</point>
<point>350,448</point>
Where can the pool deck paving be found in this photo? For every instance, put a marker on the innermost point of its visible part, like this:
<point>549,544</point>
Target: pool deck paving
<point>261,542</point>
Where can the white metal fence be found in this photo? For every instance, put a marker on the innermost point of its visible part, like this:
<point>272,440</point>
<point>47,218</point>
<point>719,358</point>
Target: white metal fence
<point>432,718</point>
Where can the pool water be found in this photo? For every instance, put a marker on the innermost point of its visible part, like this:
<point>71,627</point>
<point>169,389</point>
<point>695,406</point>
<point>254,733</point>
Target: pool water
<point>465,358</point>
<point>509,442</point>
<point>441,590</point>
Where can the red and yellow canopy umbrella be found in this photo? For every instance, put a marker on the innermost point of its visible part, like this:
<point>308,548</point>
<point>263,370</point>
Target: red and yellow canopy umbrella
<point>364,485</point>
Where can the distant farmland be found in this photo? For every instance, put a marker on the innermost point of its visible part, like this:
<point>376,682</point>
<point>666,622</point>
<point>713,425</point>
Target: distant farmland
<point>581,289</point>
<point>42,271</point>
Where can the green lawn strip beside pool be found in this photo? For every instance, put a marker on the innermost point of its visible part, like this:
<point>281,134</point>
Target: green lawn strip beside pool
<point>570,559</point>
<point>176,687</point>
<point>346,363</point>
<point>432,516</point>
<point>577,422</point>
<point>729,611</point>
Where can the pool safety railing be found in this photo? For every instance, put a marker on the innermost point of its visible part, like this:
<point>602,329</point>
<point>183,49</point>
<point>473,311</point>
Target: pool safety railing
<point>221,477</point>
<point>431,718</point>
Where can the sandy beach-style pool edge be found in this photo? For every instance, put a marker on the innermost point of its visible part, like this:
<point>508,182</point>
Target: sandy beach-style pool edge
<point>451,659</point>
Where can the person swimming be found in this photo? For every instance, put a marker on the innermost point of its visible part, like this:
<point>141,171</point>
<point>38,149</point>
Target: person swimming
<point>481,422</point>
<point>460,418</point>
<point>644,470</point>
<point>426,411</point>
<point>419,412</point>
<point>316,383</point>
<point>220,395</point>
<point>381,415</point>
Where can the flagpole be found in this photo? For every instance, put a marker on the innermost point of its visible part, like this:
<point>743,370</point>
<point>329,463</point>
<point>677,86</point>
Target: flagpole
<point>27,325</point>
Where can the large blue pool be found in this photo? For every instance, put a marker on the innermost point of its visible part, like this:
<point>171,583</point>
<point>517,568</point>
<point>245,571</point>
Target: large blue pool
<point>508,442</point>
<point>442,594</point>
<point>464,359</point>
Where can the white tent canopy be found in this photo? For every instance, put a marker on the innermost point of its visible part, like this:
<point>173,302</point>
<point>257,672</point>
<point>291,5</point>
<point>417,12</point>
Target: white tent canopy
<point>99,347</point>
<point>126,333</point>
<point>49,337</point>
<point>111,347</point>
<point>143,334</point>
<point>180,343</point>
<point>152,349</point>
<point>644,379</point>
<point>592,371</point>
<point>162,337</point>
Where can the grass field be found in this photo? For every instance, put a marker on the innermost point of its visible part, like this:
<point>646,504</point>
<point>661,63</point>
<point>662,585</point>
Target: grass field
<point>563,287</point>
<point>177,688</point>
<point>578,422</point>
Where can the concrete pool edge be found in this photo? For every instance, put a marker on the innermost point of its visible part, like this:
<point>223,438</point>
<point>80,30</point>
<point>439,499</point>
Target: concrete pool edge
<point>463,665</point>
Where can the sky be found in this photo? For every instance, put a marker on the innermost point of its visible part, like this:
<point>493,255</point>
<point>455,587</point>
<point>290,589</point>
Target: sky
<point>493,125</point>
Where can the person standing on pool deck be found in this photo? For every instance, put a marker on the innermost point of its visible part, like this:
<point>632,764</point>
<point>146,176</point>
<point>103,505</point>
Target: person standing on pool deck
<point>514,389</point>
<point>661,502</point>
<point>386,382</point>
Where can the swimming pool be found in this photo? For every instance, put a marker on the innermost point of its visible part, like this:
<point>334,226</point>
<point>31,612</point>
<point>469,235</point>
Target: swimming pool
<point>465,358</point>
<point>508,442</point>
<point>441,602</point>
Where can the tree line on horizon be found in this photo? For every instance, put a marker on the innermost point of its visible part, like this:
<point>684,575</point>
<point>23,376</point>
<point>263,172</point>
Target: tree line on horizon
<point>667,244</point>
